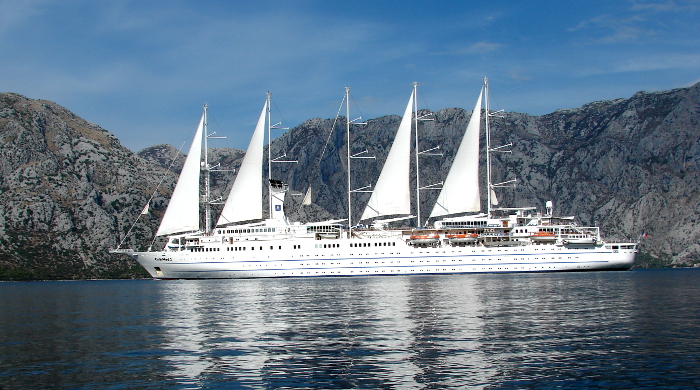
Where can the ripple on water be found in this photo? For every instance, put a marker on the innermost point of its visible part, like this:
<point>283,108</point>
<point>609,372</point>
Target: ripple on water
<point>631,329</point>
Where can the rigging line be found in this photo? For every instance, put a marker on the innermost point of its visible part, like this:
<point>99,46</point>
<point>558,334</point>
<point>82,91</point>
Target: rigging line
<point>284,96</point>
<point>222,131</point>
<point>152,196</point>
<point>497,105</point>
<point>395,88</point>
<point>277,109</point>
<point>225,137</point>
<point>325,146</point>
<point>357,106</point>
<point>425,104</point>
<point>331,132</point>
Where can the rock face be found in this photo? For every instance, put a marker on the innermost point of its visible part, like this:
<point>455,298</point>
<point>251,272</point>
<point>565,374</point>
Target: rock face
<point>630,166</point>
<point>69,191</point>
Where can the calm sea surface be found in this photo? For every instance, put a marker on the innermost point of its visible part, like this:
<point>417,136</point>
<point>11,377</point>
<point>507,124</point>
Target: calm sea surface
<point>630,329</point>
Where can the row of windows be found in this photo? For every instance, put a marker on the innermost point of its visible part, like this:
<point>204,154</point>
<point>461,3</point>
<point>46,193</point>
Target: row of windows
<point>464,223</point>
<point>232,249</point>
<point>461,261</point>
<point>252,248</point>
<point>369,244</point>
<point>323,229</point>
<point>619,246</point>
<point>205,249</point>
<point>242,248</point>
<point>327,246</point>
<point>240,231</point>
<point>409,271</point>
<point>366,244</point>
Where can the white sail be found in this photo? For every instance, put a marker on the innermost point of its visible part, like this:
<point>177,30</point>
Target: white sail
<point>245,199</point>
<point>307,198</point>
<point>494,199</point>
<point>460,193</point>
<point>392,194</point>
<point>182,214</point>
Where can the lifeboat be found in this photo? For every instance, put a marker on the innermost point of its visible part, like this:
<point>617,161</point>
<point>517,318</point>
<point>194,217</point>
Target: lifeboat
<point>543,236</point>
<point>462,238</point>
<point>580,241</point>
<point>424,239</point>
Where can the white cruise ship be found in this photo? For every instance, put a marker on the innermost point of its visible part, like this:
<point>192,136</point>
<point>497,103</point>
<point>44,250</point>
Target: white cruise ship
<point>492,240</point>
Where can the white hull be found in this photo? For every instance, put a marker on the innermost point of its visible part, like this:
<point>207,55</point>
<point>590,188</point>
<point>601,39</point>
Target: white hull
<point>399,259</point>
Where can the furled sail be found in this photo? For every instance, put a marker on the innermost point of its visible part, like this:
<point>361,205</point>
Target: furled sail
<point>392,194</point>
<point>182,214</point>
<point>460,193</point>
<point>244,202</point>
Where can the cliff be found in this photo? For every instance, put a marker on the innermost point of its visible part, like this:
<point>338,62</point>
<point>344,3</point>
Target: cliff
<point>69,191</point>
<point>67,188</point>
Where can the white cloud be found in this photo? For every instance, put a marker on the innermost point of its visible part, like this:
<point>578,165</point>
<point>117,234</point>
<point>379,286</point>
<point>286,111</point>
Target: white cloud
<point>15,13</point>
<point>608,29</point>
<point>659,62</point>
<point>641,21</point>
<point>471,49</point>
<point>666,6</point>
<point>483,47</point>
<point>143,65</point>
<point>519,75</point>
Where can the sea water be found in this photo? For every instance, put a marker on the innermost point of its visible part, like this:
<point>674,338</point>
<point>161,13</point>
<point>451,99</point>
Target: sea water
<point>627,329</point>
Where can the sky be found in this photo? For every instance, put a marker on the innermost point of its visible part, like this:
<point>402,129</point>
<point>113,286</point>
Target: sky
<point>144,69</point>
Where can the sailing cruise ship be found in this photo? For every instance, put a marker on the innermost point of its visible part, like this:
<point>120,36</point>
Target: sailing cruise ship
<point>497,240</point>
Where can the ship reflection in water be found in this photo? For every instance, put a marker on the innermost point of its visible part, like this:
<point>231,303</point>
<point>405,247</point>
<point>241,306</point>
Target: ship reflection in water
<point>412,332</point>
<point>633,329</point>
<point>338,333</point>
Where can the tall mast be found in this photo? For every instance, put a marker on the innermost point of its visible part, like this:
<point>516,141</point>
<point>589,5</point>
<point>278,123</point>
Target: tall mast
<point>348,122</point>
<point>490,196</point>
<point>420,153</point>
<point>207,177</point>
<point>415,116</point>
<point>271,160</point>
<point>269,156</point>
<point>489,187</point>
<point>347,133</point>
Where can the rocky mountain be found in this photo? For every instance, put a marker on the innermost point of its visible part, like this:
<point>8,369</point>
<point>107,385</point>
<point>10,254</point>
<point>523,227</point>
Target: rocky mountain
<point>69,191</point>
<point>630,166</point>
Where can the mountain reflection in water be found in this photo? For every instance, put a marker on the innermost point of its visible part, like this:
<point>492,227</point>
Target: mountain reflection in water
<point>631,329</point>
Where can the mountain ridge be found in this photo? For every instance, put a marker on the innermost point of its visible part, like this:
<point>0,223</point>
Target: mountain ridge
<point>69,191</point>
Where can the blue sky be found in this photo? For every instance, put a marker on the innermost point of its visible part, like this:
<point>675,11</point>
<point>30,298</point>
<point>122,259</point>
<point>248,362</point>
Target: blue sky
<point>143,69</point>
